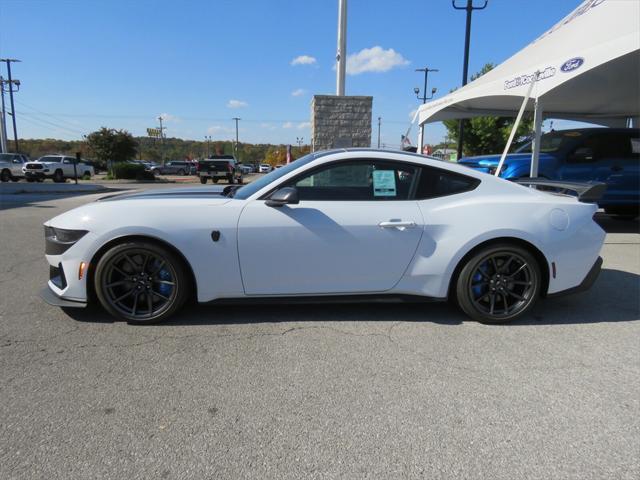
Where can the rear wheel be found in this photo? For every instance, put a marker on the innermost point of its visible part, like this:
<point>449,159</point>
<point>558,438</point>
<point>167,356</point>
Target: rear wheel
<point>498,284</point>
<point>180,172</point>
<point>141,282</point>
<point>58,176</point>
<point>203,180</point>
<point>5,175</point>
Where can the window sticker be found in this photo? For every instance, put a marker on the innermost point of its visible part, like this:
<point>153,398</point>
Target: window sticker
<point>384,183</point>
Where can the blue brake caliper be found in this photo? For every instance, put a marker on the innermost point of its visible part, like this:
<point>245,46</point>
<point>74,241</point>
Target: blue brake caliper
<point>478,290</point>
<point>164,288</point>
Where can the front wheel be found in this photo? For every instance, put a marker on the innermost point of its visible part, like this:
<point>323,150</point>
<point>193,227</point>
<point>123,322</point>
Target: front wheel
<point>203,180</point>
<point>180,172</point>
<point>141,282</point>
<point>499,284</point>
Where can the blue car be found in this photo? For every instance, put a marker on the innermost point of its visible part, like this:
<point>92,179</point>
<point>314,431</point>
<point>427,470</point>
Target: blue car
<point>609,155</point>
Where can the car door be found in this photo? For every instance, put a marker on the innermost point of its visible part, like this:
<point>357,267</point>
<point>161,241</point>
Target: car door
<point>355,229</point>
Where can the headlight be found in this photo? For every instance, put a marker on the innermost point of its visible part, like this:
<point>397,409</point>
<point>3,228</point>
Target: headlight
<point>59,240</point>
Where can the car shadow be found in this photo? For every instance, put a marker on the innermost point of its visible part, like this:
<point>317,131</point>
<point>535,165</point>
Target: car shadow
<point>612,224</point>
<point>613,298</point>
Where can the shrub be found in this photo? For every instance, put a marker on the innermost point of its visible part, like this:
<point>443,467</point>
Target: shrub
<point>131,171</point>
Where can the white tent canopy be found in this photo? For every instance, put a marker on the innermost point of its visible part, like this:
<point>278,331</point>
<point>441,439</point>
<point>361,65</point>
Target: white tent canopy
<point>587,68</point>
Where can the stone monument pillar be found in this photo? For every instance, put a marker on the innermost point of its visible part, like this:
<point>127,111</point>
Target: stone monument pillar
<point>340,121</point>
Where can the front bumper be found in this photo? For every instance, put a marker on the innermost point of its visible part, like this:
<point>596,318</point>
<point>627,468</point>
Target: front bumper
<point>52,298</point>
<point>586,284</point>
<point>35,174</point>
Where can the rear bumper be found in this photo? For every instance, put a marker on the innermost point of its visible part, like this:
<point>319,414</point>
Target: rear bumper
<point>52,298</point>
<point>586,284</point>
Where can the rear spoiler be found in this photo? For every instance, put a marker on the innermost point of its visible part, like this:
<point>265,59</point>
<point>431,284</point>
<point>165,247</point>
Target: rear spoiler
<point>588,192</point>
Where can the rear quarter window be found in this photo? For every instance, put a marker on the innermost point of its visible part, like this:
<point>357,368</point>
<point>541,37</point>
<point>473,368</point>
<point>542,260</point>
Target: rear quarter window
<point>434,183</point>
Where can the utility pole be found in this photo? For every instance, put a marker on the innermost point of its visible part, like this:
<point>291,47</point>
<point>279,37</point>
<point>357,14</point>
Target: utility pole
<point>9,61</point>
<point>341,54</point>
<point>161,140</point>
<point>3,120</point>
<point>465,69</point>
<point>424,99</point>
<point>379,123</point>
<point>236,145</point>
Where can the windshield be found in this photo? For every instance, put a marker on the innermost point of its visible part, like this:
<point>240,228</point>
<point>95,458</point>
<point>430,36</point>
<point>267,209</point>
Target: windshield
<point>248,190</point>
<point>553,141</point>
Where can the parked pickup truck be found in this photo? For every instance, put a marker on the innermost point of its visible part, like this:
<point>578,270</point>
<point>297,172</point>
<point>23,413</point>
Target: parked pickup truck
<point>220,167</point>
<point>11,166</point>
<point>57,167</point>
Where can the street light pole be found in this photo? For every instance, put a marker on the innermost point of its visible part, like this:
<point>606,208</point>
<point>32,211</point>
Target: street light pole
<point>379,123</point>
<point>9,61</point>
<point>424,98</point>
<point>465,69</point>
<point>236,145</point>
<point>208,139</point>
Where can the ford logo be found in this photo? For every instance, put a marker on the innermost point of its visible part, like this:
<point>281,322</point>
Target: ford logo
<point>572,64</point>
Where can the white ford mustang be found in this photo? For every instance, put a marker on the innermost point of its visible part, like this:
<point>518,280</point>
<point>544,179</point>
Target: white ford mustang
<point>337,225</point>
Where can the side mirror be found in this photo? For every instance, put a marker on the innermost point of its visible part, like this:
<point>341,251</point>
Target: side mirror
<point>284,196</point>
<point>582,155</point>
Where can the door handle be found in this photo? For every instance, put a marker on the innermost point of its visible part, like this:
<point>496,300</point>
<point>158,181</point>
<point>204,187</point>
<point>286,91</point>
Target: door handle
<point>617,168</point>
<point>400,225</point>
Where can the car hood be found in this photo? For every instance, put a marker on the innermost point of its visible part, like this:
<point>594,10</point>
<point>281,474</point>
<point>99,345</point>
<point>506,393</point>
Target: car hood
<point>212,193</point>
<point>485,161</point>
<point>136,207</point>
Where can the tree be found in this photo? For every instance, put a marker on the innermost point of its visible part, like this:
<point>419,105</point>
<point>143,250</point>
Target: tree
<point>486,135</point>
<point>111,145</point>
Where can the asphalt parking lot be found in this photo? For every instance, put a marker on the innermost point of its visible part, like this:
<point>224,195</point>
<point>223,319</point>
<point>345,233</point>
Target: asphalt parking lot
<point>323,391</point>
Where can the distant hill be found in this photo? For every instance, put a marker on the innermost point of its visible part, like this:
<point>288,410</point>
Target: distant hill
<point>173,148</point>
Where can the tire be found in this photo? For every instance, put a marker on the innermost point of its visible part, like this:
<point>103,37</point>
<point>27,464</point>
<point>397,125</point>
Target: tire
<point>58,176</point>
<point>214,180</point>
<point>125,274</point>
<point>180,172</point>
<point>498,284</point>
<point>15,179</point>
<point>203,180</point>
<point>5,176</point>
<point>86,176</point>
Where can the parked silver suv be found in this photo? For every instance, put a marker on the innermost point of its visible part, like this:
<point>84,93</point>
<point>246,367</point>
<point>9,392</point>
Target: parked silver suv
<point>11,166</point>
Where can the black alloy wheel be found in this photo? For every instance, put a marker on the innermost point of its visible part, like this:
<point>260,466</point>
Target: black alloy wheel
<point>141,282</point>
<point>499,284</point>
<point>5,176</point>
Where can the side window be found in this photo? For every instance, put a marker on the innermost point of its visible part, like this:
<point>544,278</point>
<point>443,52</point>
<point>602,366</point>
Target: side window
<point>67,161</point>
<point>608,146</point>
<point>435,182</point>
<point>366,180</point>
